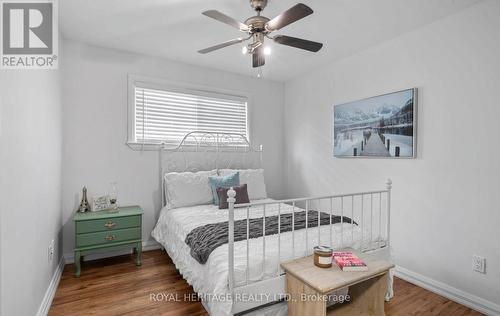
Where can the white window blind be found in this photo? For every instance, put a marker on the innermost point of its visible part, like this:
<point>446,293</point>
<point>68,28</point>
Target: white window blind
<point>167,116</point>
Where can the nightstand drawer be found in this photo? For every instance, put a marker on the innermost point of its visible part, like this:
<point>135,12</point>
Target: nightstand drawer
<point>99,225</point>
<point>108,237</point>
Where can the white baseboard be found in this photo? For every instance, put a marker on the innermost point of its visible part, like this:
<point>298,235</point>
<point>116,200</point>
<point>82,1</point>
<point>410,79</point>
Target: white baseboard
<point>51,290</point>
<point>454,294</point>
<point>146,246</point>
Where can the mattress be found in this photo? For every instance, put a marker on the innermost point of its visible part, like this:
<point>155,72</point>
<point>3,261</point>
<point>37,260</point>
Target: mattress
<point>210,280</point>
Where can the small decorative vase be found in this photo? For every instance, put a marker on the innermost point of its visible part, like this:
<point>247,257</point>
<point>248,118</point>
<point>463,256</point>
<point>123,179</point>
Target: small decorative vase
<point>113,195</point>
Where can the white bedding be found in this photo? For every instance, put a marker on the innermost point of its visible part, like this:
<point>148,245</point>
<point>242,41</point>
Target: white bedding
<point>212,278</point>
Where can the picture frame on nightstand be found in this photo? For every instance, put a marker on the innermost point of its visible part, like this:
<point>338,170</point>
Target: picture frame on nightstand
<point>100,203</point>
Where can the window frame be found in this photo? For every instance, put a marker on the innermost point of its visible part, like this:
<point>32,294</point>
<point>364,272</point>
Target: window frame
<point>180,87</point>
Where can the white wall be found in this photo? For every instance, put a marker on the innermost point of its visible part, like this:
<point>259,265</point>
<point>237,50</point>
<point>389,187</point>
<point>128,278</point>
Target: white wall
<point>95,127</point>
<point>30,186</point>
<point>446,202</point>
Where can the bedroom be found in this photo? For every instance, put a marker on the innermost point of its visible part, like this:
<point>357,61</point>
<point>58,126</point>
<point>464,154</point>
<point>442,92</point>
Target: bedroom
<point>77,125</point>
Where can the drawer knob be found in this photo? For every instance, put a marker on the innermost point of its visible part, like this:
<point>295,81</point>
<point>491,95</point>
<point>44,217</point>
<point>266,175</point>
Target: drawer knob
<point>110,224</point>
<point>110,237</point>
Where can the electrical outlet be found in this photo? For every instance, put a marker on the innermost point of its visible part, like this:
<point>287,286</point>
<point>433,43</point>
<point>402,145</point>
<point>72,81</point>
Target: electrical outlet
<point>478,264</point>
<point>51,250</point>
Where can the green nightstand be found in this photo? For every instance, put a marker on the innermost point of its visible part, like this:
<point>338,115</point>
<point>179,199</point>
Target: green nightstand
<point>95,231</point>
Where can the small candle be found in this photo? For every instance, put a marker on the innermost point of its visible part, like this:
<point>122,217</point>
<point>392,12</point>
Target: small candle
<point>323,256</point>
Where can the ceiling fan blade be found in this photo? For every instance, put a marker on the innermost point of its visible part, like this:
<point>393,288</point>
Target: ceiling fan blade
<point>298,43</point>
<point>258,57</point>
<point>221,45</point>
<point>221,17</point>
<point>291,15</point>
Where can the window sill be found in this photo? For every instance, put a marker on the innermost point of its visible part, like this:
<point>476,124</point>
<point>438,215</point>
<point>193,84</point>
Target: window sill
<point>169,145</point>
<point>156,146</point>
<point>143,147</point>
<point>210,148</point>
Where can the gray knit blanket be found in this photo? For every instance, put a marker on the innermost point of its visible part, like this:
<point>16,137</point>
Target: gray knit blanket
<point>205,239</point>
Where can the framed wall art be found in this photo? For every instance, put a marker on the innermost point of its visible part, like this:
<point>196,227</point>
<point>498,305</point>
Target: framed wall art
<point>382,127</point>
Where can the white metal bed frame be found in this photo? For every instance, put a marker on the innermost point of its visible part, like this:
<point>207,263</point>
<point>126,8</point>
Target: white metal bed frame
<point>209,151</point>
<point>225,150</point>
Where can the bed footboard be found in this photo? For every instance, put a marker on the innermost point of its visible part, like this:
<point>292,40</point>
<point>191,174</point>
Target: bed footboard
<point>358,220</point>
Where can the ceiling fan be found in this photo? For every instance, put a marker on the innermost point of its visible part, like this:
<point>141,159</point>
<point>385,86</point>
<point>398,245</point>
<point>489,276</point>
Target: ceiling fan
<point>259,27</point>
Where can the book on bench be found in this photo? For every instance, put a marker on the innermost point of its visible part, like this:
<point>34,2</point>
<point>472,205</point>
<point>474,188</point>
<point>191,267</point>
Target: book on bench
<point>349,262</point>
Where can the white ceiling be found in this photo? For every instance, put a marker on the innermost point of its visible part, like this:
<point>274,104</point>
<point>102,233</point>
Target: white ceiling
<point>176,29</point>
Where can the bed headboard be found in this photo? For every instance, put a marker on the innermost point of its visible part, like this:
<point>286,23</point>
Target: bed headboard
<point>199,150</point>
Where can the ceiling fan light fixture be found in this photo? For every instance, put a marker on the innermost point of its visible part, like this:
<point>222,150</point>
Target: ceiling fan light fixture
<point>258,27</point>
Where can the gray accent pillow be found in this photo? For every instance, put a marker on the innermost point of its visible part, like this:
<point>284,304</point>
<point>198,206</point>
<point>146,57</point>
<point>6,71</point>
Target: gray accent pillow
<point>241,196</point>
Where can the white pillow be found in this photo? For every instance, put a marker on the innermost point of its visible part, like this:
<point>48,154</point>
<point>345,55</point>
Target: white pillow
<point>254,178</point>
<point>188,188</point>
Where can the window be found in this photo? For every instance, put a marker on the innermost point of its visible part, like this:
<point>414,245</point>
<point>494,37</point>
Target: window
<point>167,114</point>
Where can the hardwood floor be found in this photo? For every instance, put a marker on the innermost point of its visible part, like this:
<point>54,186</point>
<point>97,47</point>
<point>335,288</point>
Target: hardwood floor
<point>115,286</point>
<point>410,299</point>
